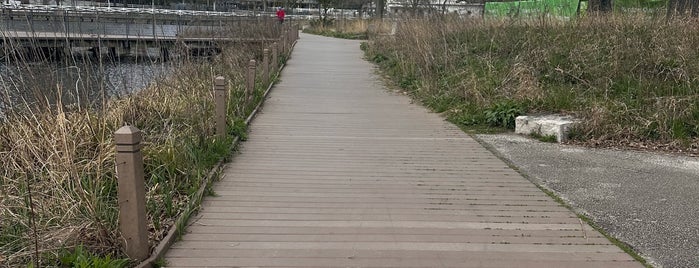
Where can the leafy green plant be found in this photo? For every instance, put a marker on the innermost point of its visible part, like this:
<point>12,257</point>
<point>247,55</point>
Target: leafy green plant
<point>160,262</point>
<point>364,46</point>
<point>503,114</point>
<point>81,258</point>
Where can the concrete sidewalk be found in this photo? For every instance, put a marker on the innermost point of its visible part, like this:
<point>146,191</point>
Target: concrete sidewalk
<point>647,200</point>
<point>338,172</point>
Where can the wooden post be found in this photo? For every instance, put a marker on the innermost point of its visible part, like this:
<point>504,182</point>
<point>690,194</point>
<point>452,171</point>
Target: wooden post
<point>265,66</point>
<point>291,38</point>
<point>275,57</point>
<point>251,79</point>
<point>220,97</point>
<point>131,192</point>
<point>283,42</point>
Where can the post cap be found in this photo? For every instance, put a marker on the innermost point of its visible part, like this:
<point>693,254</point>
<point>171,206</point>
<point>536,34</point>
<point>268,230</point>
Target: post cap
<point>252,63</point>
<point>127,135</point>
<point>219,81</point>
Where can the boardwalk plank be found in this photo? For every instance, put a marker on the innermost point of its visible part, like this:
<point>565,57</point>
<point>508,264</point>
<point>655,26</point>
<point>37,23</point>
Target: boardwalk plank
<point>339,172</point>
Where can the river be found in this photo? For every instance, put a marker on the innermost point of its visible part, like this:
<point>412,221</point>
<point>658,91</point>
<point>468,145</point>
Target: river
<point>86,84</point>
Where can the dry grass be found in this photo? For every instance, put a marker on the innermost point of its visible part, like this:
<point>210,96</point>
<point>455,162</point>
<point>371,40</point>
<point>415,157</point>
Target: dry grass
<point>343,28</point>
<point>633,79</point>
<point>57,181</point>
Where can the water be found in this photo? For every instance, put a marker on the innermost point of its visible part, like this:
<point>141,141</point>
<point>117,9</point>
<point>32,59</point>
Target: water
<point>85,84</point>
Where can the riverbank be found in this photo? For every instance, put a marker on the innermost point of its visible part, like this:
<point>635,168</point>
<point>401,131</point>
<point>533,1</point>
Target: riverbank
<point>58,188</point>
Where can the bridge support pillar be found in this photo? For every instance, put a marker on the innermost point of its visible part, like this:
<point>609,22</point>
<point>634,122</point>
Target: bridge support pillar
<point>66,50</point>
<point>112,53</point>
<point>95,51</point>
<point>164,54</point>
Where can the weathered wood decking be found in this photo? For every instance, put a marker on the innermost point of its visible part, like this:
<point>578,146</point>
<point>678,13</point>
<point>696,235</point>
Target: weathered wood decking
<point>338,172</point>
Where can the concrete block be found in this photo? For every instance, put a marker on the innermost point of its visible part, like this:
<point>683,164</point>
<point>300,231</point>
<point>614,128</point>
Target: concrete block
<point>545,125</point>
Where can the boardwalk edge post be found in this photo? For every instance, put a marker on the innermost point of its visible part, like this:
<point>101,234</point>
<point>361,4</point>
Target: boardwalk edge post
<point>265,66</point>
<point>131,192</point>
<point>251,79</point>
<point>284,42</point>
<point>220,96</point>
<point>275,56</point>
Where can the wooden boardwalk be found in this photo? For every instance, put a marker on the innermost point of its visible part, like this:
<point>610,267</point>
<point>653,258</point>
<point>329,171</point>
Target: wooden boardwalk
<point>338,172</point>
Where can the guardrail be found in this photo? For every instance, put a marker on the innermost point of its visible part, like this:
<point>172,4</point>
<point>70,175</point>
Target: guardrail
<point>55,34</point>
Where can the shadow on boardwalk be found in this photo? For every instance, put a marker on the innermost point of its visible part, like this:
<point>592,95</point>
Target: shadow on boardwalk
<point>340,173</point>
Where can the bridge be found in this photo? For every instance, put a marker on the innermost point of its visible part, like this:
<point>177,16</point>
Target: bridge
<point>123,32</point>
<point>339,171</point>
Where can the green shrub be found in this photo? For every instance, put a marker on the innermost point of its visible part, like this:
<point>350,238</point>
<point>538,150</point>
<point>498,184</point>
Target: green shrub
<point>80,258</point>
<point>503,114</point>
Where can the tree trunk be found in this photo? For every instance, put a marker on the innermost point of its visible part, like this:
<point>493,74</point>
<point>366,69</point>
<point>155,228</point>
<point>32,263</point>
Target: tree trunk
<point>671,5</point>
<point>682,7</point>
<point>380,7</point>
<point>599,6</point>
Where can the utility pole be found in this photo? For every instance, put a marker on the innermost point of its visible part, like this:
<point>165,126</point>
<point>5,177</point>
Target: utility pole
<point>380,7</point>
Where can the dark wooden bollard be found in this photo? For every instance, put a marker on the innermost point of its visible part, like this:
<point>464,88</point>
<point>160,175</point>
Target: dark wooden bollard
<point>251,79</point>
<point>131,192</point>
<point>265,66</point>
<point>220,97</point>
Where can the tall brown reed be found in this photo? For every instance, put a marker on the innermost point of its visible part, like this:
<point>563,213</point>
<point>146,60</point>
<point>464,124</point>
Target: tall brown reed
<point>633,79</point>
<point>65,154</point>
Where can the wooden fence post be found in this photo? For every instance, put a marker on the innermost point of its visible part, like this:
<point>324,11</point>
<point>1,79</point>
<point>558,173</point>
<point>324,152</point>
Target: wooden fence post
<point>220,99</point>
<point>251,79</point>
<point>265,66</point>
<point>275,57</point>
<point>131,192</point>
<point>285,41</point>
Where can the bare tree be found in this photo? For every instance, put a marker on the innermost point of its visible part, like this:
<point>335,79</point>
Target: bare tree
<point>323,7</point>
